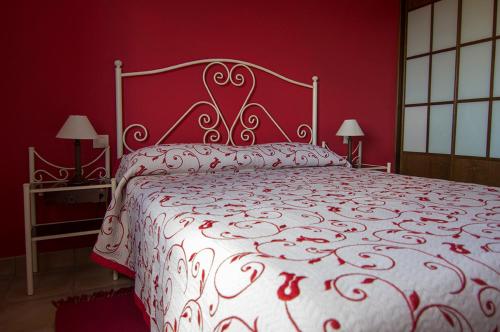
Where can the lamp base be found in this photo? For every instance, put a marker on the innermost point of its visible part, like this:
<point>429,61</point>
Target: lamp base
<point>349,149</point>
<point>77,179</point>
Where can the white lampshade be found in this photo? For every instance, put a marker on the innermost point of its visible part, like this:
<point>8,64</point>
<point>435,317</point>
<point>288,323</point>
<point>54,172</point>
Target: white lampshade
<point>350,128</point>
<point>77,127</point>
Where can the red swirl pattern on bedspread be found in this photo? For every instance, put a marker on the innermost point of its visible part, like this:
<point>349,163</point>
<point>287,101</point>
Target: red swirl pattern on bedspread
<point>308,249</point>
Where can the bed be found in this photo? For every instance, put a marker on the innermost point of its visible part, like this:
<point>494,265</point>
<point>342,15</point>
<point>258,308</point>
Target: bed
<point>287,236</point>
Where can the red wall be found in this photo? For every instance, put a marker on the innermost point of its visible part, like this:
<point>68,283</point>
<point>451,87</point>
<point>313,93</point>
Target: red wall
<point>58,58</point>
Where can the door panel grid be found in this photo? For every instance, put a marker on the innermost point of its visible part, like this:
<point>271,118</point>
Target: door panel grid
<point>451,78</point>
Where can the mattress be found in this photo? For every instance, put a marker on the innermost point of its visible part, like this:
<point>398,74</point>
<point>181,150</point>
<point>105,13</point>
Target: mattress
<point>321,248</point>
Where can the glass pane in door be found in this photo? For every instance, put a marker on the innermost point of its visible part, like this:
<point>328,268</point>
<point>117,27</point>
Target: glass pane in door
<point>440,127</point>
<point>415,129</point>
<point>419,31</point>
<point>498,21</point>
<point>443,76</point>
<point>417,80</point>
<point>472,128</point>
<point>474,77</point>
<point>496,76</point>
<point>444,33</point>
<point>495,131</point>
<point>477,19</point>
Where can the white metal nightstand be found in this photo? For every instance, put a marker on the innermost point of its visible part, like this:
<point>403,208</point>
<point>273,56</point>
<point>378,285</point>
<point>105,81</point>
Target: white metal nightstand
<point>35,232</point>
<point>357,160</point>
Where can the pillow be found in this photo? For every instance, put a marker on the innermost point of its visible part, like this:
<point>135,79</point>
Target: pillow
<point>206,158</point>
<point>281,155</point>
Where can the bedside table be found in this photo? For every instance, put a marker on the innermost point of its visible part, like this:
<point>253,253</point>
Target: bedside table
<point>357,160</point>
<point>55,230</point>
<point>51,180</point>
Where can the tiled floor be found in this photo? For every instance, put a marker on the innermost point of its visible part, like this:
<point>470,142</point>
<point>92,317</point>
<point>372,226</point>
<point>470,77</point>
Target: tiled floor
<point>61,274</point>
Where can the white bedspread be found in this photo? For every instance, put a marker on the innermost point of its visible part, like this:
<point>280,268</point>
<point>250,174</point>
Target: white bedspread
<point>309,249</point>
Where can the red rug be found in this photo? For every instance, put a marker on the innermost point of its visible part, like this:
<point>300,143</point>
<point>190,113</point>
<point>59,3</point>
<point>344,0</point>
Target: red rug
<point>103,311</point>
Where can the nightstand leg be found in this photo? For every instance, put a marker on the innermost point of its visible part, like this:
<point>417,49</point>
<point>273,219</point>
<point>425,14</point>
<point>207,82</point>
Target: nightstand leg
<point>27,236</point>
<point>34,256</point>
<point>33,222</point>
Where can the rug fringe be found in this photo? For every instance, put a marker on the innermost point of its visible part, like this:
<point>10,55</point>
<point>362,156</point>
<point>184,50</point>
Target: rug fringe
<point>93,296</point>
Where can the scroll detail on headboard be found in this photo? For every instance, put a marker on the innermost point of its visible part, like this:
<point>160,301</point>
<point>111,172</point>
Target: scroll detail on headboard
<point>212,124</point>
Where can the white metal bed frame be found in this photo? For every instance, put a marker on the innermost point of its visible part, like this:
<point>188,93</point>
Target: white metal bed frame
<point>211,126</point>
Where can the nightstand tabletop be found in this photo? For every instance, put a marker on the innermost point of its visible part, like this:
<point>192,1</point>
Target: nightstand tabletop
<point>48,186</point>
<point>371,167</point>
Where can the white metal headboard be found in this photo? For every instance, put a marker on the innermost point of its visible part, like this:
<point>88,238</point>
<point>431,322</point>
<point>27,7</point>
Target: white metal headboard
<point>210,126</point>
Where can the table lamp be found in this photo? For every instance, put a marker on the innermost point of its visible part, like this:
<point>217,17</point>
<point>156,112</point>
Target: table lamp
<point>77,127</point>
<point>350,128</point>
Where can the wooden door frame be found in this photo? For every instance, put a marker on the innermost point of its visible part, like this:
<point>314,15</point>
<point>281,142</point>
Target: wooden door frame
<point>405,7</point>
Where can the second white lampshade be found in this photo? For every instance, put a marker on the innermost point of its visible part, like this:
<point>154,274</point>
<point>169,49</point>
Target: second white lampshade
<point>350,128</point>
<point>77,127</point>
